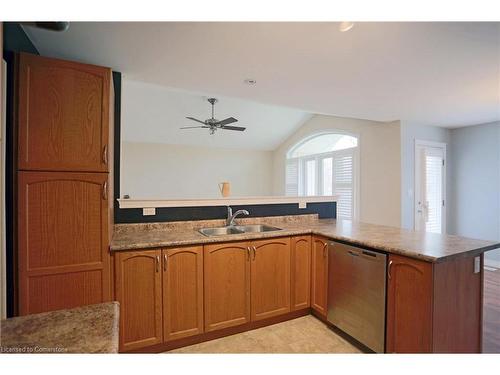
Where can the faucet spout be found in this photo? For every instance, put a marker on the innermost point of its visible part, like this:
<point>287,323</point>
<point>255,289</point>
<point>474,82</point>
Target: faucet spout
<point>231,217</point>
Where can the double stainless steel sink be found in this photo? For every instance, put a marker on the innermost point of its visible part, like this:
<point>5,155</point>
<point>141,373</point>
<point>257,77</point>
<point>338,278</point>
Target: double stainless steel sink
<point>237,229</point>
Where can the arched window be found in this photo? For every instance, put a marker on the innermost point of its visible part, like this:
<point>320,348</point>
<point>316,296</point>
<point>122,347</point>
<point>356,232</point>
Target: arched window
<point>324,164</point>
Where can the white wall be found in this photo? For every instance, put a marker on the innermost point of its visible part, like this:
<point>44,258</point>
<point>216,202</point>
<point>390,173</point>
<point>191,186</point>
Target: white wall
<point>153,170</point>
<point>475,178</point>
<point>380,165</point>
<point>409,133</point>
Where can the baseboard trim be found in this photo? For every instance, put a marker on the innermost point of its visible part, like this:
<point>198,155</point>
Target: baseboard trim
<point>207,336</point>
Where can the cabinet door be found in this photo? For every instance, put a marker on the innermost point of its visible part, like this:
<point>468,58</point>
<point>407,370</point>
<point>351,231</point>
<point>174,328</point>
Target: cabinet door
<point>63,240</point>
<point>409,305</point>
<point>63,114</point>
<point>270,280</point>
<point>227,285</point>
<point>319,287</point>
<point>138,289</point>
<point>182,292</point>
<point>301,272</point>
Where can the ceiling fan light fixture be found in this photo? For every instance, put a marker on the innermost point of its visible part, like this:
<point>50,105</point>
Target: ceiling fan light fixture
<point>345,26</point>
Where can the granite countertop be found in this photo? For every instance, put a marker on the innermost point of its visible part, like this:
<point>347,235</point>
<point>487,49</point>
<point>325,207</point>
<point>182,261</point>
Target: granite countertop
<point>420,245</point>
<point>87,329</point>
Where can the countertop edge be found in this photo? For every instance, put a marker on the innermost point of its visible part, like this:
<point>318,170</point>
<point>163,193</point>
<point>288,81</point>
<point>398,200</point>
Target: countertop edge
<point>296,232</point>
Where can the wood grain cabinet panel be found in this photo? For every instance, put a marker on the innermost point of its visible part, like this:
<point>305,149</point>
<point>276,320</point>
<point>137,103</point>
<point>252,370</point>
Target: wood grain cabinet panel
<point>300,272</point>
<point>139,290</point>
<point>227,285</point>
<point>63,115</point>
<point>319,277</point>
<point>182,292</point>
<point>63,221</point>
<point>270,278</point>
<point>409,306</point>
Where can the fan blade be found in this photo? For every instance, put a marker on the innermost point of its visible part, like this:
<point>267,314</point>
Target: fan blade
<point>194,127</point>
<point>194,119</point>
<point>238,128</point>
<point>229,120</point>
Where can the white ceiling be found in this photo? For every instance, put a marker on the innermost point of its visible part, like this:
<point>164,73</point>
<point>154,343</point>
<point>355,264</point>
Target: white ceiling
<point>152,113</point>
<point>445,74</point>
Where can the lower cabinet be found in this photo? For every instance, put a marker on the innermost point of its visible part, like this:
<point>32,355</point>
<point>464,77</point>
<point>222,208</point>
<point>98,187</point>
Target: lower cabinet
<point>227,285</point>
<point>270,278</point>
<point>139,291</point>
<point>182,292</point>
<point>160,294</point>
<point>246,281</point>
<point>300,269</point>
<point>319,277</point>
<point>409,305</point>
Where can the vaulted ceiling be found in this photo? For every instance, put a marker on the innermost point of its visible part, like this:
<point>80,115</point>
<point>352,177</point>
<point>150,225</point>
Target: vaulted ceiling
<point>444,74</point>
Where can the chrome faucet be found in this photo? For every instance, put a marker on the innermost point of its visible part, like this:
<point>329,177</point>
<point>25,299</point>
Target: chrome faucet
<point>231,216</point>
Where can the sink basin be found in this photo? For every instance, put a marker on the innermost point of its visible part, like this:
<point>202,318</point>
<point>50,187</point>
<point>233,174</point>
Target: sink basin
<point>223,231</point>
<point>256,228</point>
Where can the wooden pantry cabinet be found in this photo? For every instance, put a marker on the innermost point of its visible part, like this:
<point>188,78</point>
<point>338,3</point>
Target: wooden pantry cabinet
<point>64,193</point>
<point>319,275</point>
<point>160,294</point>
<point>64,108</point>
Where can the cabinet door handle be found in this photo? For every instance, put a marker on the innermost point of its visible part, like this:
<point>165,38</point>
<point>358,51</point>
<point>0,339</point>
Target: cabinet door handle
<point>324,250</point>
<point>157,263</point>
<point>105,155</point>
<point>248,253</point>
<point>389,269</point>
<point>254,252</point>
<point>164,262</point>
<point>105,191</point>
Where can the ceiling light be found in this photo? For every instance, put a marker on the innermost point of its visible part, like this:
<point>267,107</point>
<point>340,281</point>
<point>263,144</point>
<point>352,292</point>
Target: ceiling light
<point>345,26</point>
<point>250,81</point>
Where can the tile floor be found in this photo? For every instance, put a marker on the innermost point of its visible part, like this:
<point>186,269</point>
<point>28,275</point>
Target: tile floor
<point>302,335</point>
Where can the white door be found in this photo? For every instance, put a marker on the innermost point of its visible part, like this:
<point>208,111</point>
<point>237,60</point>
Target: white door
<point>430,186</point>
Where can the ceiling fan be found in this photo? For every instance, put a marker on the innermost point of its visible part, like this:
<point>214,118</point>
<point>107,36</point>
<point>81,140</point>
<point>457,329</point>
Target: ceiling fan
<point>213,124</point>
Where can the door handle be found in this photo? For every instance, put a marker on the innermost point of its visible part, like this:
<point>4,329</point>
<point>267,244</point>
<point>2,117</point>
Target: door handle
<point>254,252</point>
<point>389,269</point>
<point>324,250</point>
<point>164,262</point>
<point>248,253</point>
<point>157,263</point>
<point>105,191</point>
<point>105,155</point>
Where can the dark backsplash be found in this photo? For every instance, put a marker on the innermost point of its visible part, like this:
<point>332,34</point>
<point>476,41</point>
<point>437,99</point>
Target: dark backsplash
<point>325,210</point>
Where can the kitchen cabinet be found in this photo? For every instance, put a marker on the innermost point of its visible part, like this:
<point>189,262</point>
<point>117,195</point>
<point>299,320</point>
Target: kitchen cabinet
<point>182,292</point>
<point>64,191</point>
<point>319,275</point>
<point>63,237</point>
<point>409,305</point>
<point>138,288</point>
<point>300,247</point>
<point>63,115</point>
<point>160,294</point>
<point>270,278</point>
<point>434,307</point>
<point>227,285</point>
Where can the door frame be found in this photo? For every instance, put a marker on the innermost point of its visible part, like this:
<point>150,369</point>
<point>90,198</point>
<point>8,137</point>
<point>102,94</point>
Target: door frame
<point>416,180</point>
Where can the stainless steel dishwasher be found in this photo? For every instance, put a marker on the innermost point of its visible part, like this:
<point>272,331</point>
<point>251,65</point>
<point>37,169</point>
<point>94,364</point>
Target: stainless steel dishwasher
<point>356,293</point>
